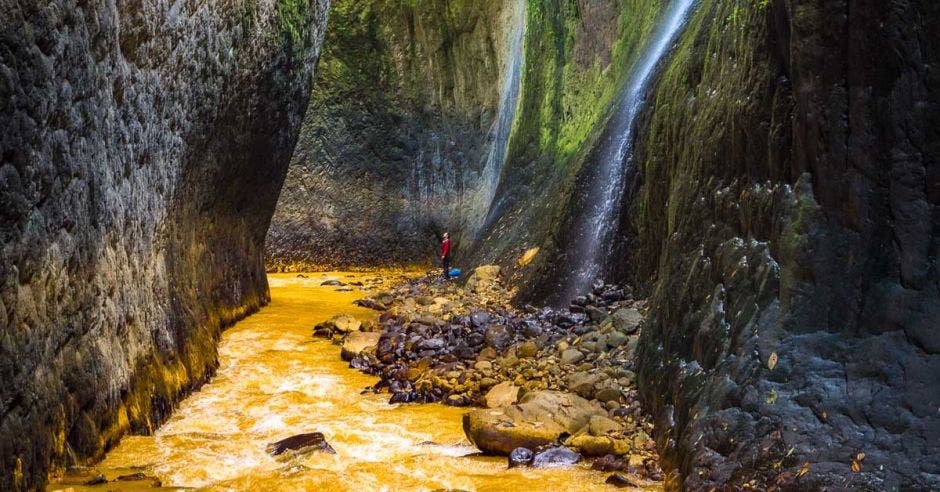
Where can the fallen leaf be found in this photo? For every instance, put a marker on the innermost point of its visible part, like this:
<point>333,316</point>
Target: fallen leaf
<point>772,397</point>
<point>772,361</point>
<point>804,470</point>
<point>856,466</point>
<point>860,457</point>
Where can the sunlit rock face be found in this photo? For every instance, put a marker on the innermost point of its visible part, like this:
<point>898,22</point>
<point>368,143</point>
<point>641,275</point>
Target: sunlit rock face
<point>143,146</point>
<point>784,219</point>
<point>394,146</point>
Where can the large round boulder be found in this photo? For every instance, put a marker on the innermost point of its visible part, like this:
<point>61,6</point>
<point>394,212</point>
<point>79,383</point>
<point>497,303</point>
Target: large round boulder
<point>540,418</point>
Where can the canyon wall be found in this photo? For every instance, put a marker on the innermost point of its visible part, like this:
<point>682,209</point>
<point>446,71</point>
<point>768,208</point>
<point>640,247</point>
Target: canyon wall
<point>781,213</point>
<point>784,219</point>
<point>393,149</point>
<point>143,147</point>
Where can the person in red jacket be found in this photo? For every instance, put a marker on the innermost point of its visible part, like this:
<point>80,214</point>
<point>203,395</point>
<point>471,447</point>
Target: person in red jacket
<point>445,255</point>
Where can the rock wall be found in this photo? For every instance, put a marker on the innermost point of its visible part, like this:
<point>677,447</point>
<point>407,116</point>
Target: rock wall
<point>142,150</point>
<point>782,216</point>
<point>578,55</point>
<point>785,220</point>
<point>395,141</point>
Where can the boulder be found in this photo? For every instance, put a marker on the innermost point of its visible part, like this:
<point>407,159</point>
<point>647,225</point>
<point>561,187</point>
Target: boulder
<point>341,323</point>
<point>555,457</point>
<point>358,341</point>
<point>627,320</point>
<point>583,383</point>
<point>311,441</point>
<point>483,277</point>
<point>502,395</point>
<point>539,419</point>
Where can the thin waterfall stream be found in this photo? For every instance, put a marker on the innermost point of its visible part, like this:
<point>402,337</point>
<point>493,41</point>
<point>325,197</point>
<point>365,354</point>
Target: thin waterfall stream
<point>502,126</point>
<point>592,245</point>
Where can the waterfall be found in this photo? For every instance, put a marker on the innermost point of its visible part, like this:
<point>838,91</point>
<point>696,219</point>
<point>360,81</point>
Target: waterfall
<point>502,126</point>
<point>597,224</point>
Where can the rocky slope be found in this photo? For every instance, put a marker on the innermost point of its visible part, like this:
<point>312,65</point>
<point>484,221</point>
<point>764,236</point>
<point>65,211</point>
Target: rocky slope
<point>143,146</point>
<point>571,371</point>
<point>393,149</point>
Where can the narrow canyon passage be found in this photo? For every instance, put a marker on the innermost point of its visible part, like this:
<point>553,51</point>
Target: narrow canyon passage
<point>696,242</point>
<point>275,380</point>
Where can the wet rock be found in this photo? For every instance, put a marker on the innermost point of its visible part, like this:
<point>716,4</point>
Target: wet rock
<point>502,395</point>
<point>403,397</point>
<point>538,419</point>
<point>131,477</point>
<point>620,481</point>
<point>152,482</point>
<point>333,283</point>
<point>98,479</point>
<point>370,303</point>
<point>356,342</point>
<point>339,324</point>
<point>521,457</point>
<point>312,441</point>
<point>608,463</point>
<point>555,457</point>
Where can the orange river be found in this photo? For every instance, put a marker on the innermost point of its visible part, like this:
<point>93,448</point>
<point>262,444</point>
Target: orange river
<point>275,380</point>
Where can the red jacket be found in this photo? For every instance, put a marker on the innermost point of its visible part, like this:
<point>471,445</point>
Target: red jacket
<point>445,248</point>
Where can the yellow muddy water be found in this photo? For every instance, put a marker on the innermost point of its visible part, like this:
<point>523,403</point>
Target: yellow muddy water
<point>275,380</point>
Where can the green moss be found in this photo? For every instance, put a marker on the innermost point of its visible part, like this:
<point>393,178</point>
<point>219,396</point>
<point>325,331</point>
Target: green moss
<point>293,18</point>
<point>572,76</point>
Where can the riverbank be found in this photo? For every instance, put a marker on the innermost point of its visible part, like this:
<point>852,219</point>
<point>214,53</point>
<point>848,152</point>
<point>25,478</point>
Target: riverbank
<point>275,381</point>
<point>550,379</point>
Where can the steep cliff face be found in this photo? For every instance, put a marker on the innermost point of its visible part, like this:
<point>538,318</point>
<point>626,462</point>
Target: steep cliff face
<point>782,214</point>
<point>578,56</point>
<point>396,138</point>
<point>785,218</point>
<point>143,145</point>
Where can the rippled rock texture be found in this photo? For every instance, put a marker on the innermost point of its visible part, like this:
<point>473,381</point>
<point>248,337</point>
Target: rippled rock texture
<point>396,138</point>
<point>143,147</point>
<point>786,211</point>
